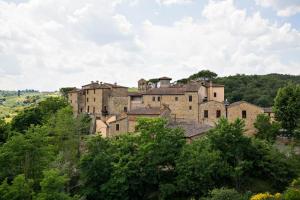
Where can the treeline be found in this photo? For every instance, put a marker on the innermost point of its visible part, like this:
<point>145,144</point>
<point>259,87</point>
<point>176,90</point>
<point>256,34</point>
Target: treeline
<point>7,93</point>
<point>47,154</point>
<point>257,89</point>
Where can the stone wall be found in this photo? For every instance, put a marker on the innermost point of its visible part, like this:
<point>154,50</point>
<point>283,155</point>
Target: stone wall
<point>212,107</point>
<point>73,100</point>
<point>116,105</point>
<point>123,127</point>
<point>235,111</point>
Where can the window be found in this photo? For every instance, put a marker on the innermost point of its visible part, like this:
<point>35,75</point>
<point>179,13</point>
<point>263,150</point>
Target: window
<point>153,98</point>
<point>176,98</point>
<point>158,98</point>
<point>218,113</point>
<point>71,101</point>
<point>80,110</point>
<point>244,114</point>
<point>117,127</point>
<point>205,113</point>
<point>125,109</point>
<point>94,91</point>
<point>190,107</point>
<point>88,109</point>
<point>190,98</point>
<point>87,91</point>
<point>215,94</point>
<point>87,99</point>
<point>93,109</point>
<point>94,99</point>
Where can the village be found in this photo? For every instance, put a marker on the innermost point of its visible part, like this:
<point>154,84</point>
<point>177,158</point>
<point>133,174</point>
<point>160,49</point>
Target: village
<point>195,107</point>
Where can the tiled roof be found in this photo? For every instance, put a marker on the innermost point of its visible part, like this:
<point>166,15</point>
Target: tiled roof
<point>136,94</point>
<point>145,111</point>
<point>191,129</point>
<point>241,102</point>
<point>268,110</point>
<point>165,91</point>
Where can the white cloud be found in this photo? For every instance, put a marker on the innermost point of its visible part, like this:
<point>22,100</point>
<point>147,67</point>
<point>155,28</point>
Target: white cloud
<point>172,2</point>
<point>284,8</point>
<point>47,44</point>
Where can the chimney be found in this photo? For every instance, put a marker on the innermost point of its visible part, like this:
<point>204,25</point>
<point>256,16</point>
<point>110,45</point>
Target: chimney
<point>97,82</point>
<point>164,82</point>
<point>115,83</point>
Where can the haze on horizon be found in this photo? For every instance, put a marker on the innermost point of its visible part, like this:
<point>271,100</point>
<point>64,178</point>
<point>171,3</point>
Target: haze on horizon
<point>48,44</point>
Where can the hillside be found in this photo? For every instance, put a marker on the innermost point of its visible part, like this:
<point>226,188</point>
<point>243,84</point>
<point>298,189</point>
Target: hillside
<point>257,89</point>
<point>11,103</point>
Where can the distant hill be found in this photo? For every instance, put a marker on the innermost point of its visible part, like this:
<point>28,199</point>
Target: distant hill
<point>257,89</point>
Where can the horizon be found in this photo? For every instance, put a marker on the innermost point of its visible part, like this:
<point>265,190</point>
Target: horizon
<point>49,44</point>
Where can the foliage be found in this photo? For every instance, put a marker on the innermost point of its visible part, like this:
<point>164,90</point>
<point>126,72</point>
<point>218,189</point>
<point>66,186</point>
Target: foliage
<point>266,196</point>
<point>29,154</point>
<point>20,189</point>
<point>266,129</point>
<point>4,131</point>
<point>53,186</point>
<point>287,107</point>
<point>225,194</point>
<point>38,114</point>
<point>201,75</point>
<point>64,91</point>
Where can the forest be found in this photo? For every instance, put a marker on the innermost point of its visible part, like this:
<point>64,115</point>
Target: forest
<point>48,154</point>
<point>257,89</point>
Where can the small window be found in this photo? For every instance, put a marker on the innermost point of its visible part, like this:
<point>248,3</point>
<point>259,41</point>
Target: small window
<point>87,99</point>
<point>94,91</point>
<point>190,107</point>
<point>215,94</point>
<point>87,91</point>
<point>94,110</point>
<point>176,98</point>
<point>71,101</point>
<point>94,99</point>
<point>158,98</point>
<point>88,109</point>
<point>205,113</point>
<point>125,109</point>
<point>153,98</point>
<point>244,114</point>
<point>117,127</point>
<point>218,113</point>
<point>190,98</point>
<point>81,110</point>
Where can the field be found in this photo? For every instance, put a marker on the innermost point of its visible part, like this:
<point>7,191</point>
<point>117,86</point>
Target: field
<point>14,103</point>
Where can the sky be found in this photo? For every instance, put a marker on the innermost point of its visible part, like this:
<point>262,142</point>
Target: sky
<point>49,44</point>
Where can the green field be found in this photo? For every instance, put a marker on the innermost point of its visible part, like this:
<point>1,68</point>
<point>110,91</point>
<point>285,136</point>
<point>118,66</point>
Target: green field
<point>14,104</point>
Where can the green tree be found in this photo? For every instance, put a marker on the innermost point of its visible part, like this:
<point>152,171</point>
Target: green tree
<point>266,129</point>
<point>64,91</point>
<point>96,167</point>
<point>29,154</point>
<point>199,169</point>
<point>20,189</point>
<point>225,194</point>
<point>4,131</point>
<point>287,107</point>
<point>204,75</point>
<point>53,186</point>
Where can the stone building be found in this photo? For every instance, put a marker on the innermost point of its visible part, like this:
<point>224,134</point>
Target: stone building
<point>195,106</point>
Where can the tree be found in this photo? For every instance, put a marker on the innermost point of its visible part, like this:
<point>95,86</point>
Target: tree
<point>20,189</point>
<point>64,91</point>
<point>266,129</point>
<point>29,154</point>
<point>96,167</point>
<point>4,131</point>
<point>287,107</point>
<point>53,186</point>
<point>199,169</point>
<point>225,194</point>
<point>204,75</point>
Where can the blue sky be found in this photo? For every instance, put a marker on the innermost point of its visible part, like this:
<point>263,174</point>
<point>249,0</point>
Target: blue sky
<point>48,44</point>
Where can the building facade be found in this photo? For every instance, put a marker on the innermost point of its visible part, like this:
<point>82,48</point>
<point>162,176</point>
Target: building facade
<point>198,104</point>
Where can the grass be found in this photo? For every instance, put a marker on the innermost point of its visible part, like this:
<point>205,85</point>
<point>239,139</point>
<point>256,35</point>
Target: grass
<point>15,104</point>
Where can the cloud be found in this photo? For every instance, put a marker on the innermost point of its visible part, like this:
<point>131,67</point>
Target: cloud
<point>172,2</point>
<point>47,44</point>
<point>284,8</point>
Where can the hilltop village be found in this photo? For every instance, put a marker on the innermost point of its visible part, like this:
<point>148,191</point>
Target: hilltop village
<point>195,106</point>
